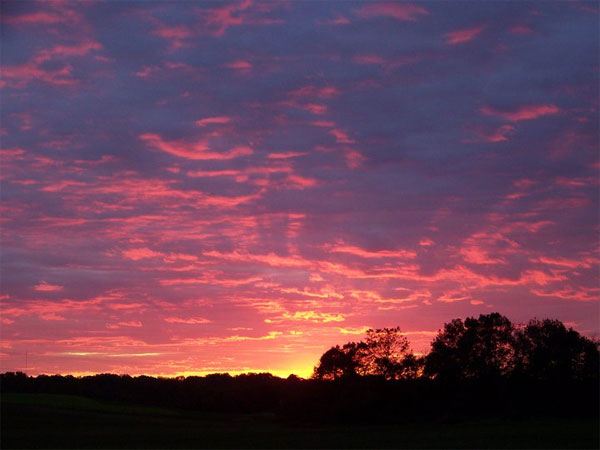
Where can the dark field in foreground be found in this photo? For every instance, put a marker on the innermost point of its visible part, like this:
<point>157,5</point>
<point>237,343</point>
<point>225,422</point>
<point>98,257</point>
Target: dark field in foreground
<point>63,421</point>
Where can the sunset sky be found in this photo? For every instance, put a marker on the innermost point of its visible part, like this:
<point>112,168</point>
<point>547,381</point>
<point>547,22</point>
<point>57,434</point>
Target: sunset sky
<point>195,187</point>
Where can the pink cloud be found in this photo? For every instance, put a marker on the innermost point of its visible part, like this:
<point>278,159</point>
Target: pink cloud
<point>217,173</point>
<point>136,254</point>
<point>312,316</point>
<point>368,59</point>
<point>500,134</point>
<point>397,10</point>
<point>18,76</point>
<point>147,71</point>
<point>211,278</point>
<point>541,278</point>
<point>213,120</point>
<point>133,324</point>
<point>315,108</point>
<point>357,251</point>
<point>51,316</point>
<point>478,255</point>
<point>526,112</point>
<point>524,183</point>
<point>242,173</point>
<point>314,91</point>
<point>562,203</point>
<point>285,155</point>
<point>61,185</point>
<point>453,296</point>
<point>594,165</point>
<point>197,151</point>
<point>337,20</point>
<point>156,70</point>
<point>125,306</point>
<point>64,51</point>
<point>484,134</point>
<point>310,98</point>
<point>574,182</point>
<point>35,69</point>
<point>515,195</point>
<point>175,34</point>
<point>521,29</point>
<point>581,294</point>
<point>566,262</point>
<point>300,182</point>
<point>56,13</point>
<point>260,176</point>
<point>323,123</point>
<point>36,18</point>
<point>178,65</point>
<point>188,321</point>
<point>341,137</point>
<point>354,330</point>
<point>12,153</point>
<point>47,287</point>
<point>239,65</point>
<point>226,16</point>
<point>426,242</point>
<point>387,64</point>
<point>464,35</point>
<point>270,259</point>
<point>354,159</point>
<point>217,20</point>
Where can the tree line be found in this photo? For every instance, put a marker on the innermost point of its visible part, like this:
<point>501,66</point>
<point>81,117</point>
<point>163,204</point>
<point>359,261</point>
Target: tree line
<point>489,346</point>
<point>479,367</point>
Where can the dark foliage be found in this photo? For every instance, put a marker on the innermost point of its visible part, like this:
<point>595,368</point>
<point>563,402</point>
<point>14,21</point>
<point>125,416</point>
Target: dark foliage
<point>492,347</point>
<point>475,348</point>
<point>368,399</point>
<point>547,350</point>
<point>385,353</point>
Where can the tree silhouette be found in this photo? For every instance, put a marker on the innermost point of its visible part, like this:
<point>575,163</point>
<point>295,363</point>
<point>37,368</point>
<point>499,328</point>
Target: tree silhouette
<point>548,350</point>
<point>340,362</point>
<point>477,348</point>
<point>385,352</point>
<point>388,354</point>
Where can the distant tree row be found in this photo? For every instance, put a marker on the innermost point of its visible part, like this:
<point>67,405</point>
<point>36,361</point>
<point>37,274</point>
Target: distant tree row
<point>486,347</point>
<point>477,368</point>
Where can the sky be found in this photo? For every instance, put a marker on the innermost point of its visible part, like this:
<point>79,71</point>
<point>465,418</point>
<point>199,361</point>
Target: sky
<point>197,187</point>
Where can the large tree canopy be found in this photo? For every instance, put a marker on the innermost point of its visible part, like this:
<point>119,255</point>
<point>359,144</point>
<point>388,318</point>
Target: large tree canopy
<point>385,352</point>
<point>482,347</point>
<point>548,350</point>
<point>339,362</point>
<point>492,346</point>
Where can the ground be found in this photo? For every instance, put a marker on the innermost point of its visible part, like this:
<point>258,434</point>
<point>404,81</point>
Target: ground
<point>64,421</point>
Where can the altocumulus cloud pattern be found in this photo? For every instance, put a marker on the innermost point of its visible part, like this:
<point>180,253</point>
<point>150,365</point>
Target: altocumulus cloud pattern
<point>191,187</point>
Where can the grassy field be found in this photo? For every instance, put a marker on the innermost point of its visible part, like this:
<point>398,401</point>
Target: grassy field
<point>61,421</point>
